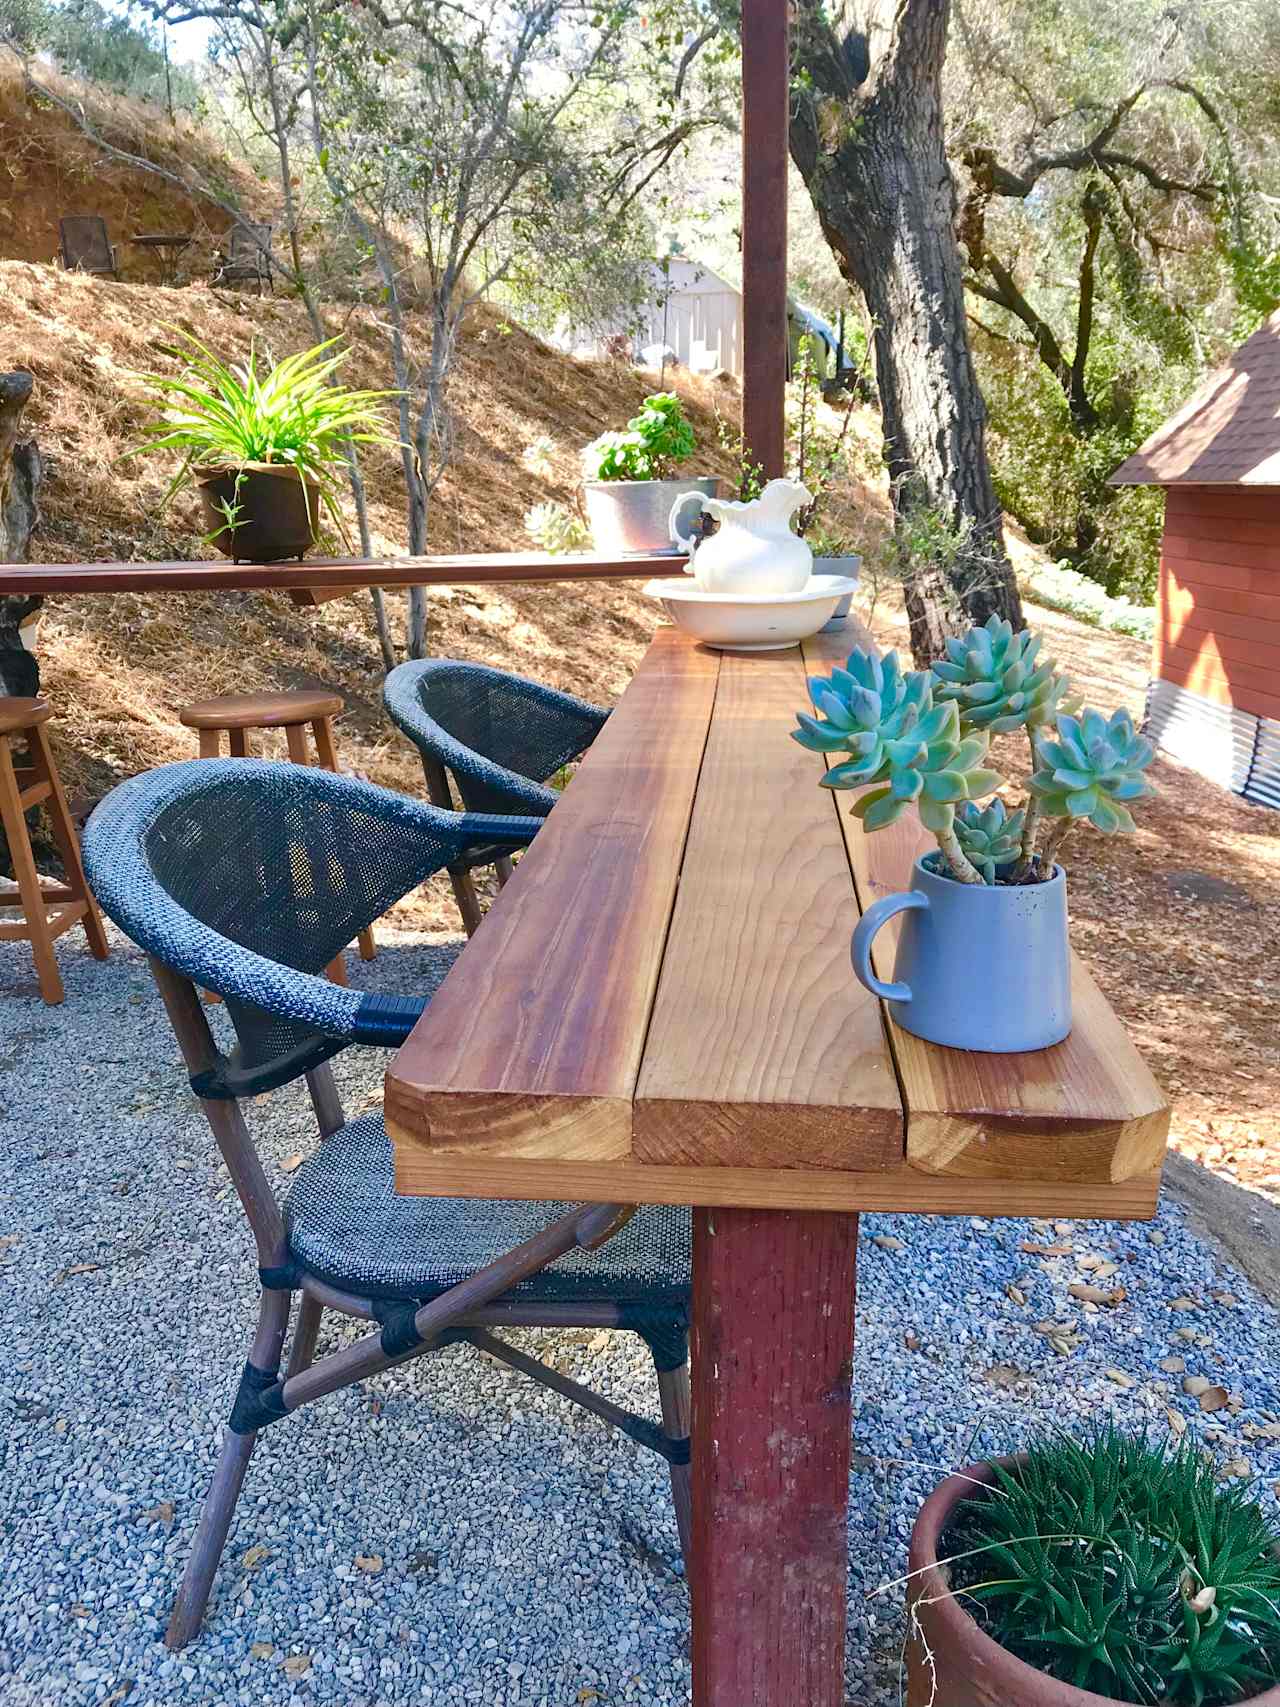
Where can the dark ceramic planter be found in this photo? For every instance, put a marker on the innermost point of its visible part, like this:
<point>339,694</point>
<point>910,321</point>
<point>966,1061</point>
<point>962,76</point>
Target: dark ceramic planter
<point>969,1669</point>
<point>279,513</point>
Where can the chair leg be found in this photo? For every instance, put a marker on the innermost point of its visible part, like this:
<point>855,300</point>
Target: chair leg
<point>302,1350</point>
<point>210,1538</point>
<point>239,740</point>
<point>35,910</point>
<point>504,868</point>
<point>210,743</point>
<point>673,1390</point>
<point>64,834</point>
<point>228,1478</point>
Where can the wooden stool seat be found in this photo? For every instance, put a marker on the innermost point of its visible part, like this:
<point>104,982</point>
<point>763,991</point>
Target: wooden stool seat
<point>241,713</point>
<point>17,715</point>
<point>260,710</point>
<point>47,909</point>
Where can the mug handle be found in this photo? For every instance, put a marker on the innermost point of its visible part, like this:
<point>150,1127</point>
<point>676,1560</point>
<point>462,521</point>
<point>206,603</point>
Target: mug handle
<point>877,914</point>
<point>685,542</point>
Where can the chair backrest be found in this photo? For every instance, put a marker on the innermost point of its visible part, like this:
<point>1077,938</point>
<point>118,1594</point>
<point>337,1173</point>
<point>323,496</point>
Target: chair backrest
<point>85,245</point>
<point>239,874</point>
<point>250,245</point>
<point>491,729</point>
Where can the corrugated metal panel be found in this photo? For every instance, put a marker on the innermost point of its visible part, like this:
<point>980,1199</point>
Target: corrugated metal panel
<point>1215,740</point>
<point>1263,785</point>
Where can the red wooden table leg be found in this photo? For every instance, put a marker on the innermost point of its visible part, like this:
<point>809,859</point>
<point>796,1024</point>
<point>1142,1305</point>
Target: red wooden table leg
<point>772,1367</point>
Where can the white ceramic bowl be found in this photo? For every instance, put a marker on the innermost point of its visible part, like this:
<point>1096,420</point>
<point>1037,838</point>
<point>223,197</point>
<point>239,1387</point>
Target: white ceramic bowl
<point>749,622</point>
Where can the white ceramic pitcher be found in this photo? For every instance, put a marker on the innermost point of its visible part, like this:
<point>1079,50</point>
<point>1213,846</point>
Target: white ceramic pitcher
<point>754,550</point>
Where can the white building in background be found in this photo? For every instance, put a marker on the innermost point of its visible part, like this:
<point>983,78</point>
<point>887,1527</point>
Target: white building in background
<point>690,310</point>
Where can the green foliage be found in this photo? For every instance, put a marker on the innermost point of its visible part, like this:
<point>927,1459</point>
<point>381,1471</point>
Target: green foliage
<point>887,722</point>
<point>286,412</point>
<point>993,677</point>
<point>990,836</point>
<point>656,440</point>
<point>1124,1568</point>
<point>1092,769</point>
<point>91,41</point>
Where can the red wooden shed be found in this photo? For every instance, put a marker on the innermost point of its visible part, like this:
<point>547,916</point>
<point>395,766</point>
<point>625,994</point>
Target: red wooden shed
<point>1214,698</point>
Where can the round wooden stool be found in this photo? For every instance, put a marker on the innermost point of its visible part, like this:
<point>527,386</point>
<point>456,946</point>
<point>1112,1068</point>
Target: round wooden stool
<point>239,714</point>
<point>47,908</point>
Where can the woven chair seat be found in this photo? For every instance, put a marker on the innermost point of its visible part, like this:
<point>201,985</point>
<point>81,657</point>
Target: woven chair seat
<point>346,1226</point>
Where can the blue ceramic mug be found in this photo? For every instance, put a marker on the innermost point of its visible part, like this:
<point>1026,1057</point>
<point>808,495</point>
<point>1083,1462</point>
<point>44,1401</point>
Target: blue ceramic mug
<point>978,966</point>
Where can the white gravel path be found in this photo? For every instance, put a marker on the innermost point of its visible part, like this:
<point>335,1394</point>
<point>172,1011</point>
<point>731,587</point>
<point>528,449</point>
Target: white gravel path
<point>528,1556</point>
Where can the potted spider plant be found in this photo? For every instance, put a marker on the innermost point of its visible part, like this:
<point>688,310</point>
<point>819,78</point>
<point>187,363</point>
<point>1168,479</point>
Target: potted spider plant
<point>1086,1573</point>
<point>994,889</point>
<point>263,443</point>
<point>629,486</point>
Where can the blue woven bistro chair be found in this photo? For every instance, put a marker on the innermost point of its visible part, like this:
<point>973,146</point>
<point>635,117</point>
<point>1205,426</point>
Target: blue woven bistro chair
<point>246,878</point>
<point>498,736</point>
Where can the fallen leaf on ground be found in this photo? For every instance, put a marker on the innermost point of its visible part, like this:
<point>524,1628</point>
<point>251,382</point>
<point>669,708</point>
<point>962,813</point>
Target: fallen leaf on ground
<point>262,1650</point>
<point>254,1557</point>
<point>1034,1250</point>
<point>887,1242</point>
<point>1119,1377</point>
<point>119,1693</point>
<point>1015,1293</point>
<point>1202,1601</point>
<point>1177,1422</point>
<point>1184,1304</point>
<point>1096,1295</point>
<point>1194,1385</point>
<point>585,1695</point>
<point>162,1513</point>
<point>911,1340</point>
<point>599,1342</point>
<point>1226,1298</point>
<point>1214,1398</point>
<point>292,1163</point>
<point>298,1665</point>
<point>1002,1375</point>
<point>76,1268</point>
<point>1239,1467</point>
<point>1173,1365</point>
<point>369,1563</point>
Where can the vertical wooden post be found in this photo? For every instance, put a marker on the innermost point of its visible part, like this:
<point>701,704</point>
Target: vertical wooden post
<point>765,114</point>
<point>773,1305</point>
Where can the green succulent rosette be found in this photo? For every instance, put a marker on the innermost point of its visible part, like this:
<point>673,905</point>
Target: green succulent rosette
<point>990,836</point>
<point>1092,770</point>
<point>895,735</point>
<point>992,674</point>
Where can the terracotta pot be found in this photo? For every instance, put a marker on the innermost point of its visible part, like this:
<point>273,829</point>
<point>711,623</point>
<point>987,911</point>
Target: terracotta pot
<point>969,1669</point>
<point>279,513</point>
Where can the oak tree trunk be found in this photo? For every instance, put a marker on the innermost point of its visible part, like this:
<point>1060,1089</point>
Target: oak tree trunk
<point>867,137</point>
<point>20,471</point>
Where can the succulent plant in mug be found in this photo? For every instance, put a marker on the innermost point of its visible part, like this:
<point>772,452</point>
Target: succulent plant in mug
<point>922,736</point>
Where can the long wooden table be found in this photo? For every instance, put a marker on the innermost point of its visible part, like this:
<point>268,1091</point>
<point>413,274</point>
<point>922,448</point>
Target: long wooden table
<point>659,1008</point>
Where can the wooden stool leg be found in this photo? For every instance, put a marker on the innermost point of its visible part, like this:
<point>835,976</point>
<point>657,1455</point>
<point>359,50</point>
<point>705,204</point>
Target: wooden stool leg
<point>295,735</point>
<point>64,833</point>
<point>327,753</point>
<point>239,739</point>
<point>34,906</point>
<point>772,1367</point>
<point>210,743</point>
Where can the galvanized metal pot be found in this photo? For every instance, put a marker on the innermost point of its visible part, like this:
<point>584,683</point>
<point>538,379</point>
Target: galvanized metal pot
<point>951,1662</point>
<point>634,515</point>
<point>977,966</point>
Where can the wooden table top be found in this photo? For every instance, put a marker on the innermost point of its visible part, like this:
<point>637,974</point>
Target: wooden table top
<point>659,1006</point>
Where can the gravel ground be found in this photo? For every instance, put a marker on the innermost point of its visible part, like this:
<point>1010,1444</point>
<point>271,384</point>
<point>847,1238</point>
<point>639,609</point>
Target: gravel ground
<point>452,1535</point>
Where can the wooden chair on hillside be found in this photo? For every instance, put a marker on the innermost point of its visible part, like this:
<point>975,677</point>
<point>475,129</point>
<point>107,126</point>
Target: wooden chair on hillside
<point>86,248</point>
<point>248,257</point>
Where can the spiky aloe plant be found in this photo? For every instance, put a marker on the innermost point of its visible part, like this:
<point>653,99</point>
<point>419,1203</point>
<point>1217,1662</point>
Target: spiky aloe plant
<point>990,836</point>
<point>1124,1568</point>
<point>896,737</point>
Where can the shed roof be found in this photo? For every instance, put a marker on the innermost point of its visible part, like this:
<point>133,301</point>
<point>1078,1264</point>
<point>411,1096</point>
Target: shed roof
<point>1229,432</point>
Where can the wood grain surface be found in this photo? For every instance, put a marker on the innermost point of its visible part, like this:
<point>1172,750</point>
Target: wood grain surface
<point>531,1047</point>
<point>763,1050</point>
<point>331,576</point>
<point>1086,1111</point>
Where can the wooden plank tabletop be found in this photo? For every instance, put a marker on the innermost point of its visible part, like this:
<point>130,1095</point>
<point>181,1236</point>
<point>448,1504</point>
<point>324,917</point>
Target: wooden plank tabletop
<point>334,575</point>
<point>659,1006</point>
